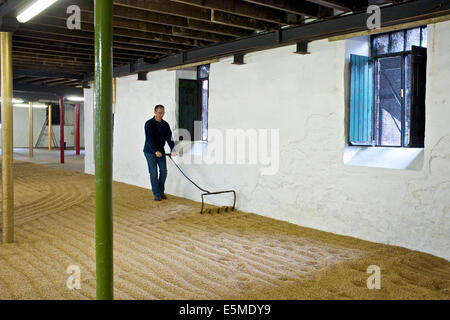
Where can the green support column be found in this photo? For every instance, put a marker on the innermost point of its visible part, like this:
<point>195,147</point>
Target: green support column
<point>103,149</point>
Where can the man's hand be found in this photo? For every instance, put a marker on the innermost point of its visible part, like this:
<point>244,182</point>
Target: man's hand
<point>173,154</point>
<point>158,154</point>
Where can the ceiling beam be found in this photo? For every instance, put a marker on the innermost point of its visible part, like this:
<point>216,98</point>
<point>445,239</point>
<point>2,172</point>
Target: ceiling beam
<point>192,12</point>
<point>343,5</point>
<point>23,55</point>
<point>165,7</point>
<point>141,20</point>
<point>185,11</point>
<point>127,14</point>
<point>88,18</point>
<point>57,90</point>
<point>130,28</point>
<point>41,81</point>
<point>56,64</point>
<point>117,40</point>
<point>225,18</point>
<point>51,54</point>
<point>31,66</point>
<point>44,47</point>
<point>59,82</point>
<point>70,49</point>
<point>297,7</point>
<point>35,96</point>
<point>119,34</point>
<point>241,8</point>
<point>74,38</point>
<point>175,21</point>
<point>392,15</point>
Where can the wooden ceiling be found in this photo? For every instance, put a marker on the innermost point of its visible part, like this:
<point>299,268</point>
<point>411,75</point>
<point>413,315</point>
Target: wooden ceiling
<point>47,53</point>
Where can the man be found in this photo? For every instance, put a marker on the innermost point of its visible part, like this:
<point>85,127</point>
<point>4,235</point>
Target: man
<point>157,132</point>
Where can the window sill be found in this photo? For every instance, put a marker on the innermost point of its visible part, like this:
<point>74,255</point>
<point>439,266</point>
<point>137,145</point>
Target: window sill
<point>381,157</point>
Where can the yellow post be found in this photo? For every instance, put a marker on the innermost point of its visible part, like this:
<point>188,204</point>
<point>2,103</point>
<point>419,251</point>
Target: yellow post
<point>114,89</point>
<point>114,95</point>
<point>50,127</point>
<point>30,118</point>
<point>7,137</point>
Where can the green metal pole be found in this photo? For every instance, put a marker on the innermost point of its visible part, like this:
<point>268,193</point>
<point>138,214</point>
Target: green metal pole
<point>103,149</point>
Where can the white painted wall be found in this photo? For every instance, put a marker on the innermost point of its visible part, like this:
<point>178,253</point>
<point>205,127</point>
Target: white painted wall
<point>21,127</point>
<point>305,98</point>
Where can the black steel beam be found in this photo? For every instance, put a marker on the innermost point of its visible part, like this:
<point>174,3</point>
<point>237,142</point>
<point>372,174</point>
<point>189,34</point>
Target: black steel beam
<point>35,96</point>
<point>142,76</point>
<point>38,89</point>
<point>390,15</point>
<point>343,5</point>
<point>46,74</point>
<point>238,59</point>
<point>122,70</point>
<point>302,47</point>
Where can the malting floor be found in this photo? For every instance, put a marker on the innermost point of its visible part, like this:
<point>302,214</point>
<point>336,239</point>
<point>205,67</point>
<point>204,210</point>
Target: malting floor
<point>167,250</point>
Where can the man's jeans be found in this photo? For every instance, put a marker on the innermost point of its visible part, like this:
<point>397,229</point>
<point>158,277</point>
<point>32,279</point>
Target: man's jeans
<point>157,183</point>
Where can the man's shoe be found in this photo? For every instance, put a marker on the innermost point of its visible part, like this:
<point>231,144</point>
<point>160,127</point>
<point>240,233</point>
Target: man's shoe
<point>163,196</point>
<point>157,198</point>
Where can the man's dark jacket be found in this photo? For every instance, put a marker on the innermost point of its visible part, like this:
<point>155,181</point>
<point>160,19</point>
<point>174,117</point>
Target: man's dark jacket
<point>156,135</point>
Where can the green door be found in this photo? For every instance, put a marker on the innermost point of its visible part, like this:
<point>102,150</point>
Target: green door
<point>188,105</point>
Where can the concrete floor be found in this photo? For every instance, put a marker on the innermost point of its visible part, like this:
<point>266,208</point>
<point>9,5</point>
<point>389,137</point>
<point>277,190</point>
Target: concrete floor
<point>72,161</point>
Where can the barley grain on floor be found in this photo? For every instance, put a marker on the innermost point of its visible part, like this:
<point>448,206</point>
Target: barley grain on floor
<point>169,251</point>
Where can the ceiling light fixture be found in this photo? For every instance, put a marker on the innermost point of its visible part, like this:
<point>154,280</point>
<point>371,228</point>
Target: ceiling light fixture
<point>34,10</point>
<point>75,99</point>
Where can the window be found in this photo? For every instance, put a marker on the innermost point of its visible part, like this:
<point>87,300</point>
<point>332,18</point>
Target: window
<point>193,104</point>
<point>387,91</point>
<point>203,85</point>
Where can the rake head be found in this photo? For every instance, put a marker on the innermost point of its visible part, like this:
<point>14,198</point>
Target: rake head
<point>219,209</point>
<point>206,192</point>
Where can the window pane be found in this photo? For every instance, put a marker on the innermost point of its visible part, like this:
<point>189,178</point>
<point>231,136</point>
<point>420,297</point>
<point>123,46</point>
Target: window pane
<point>412,38</point>
<point>388,101</point>
<point>203,71</point>
<point>424,37</point>
<point>205,84</point>
<point>408,82</point>
<point>397,42</point>
<point>380,44</point>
